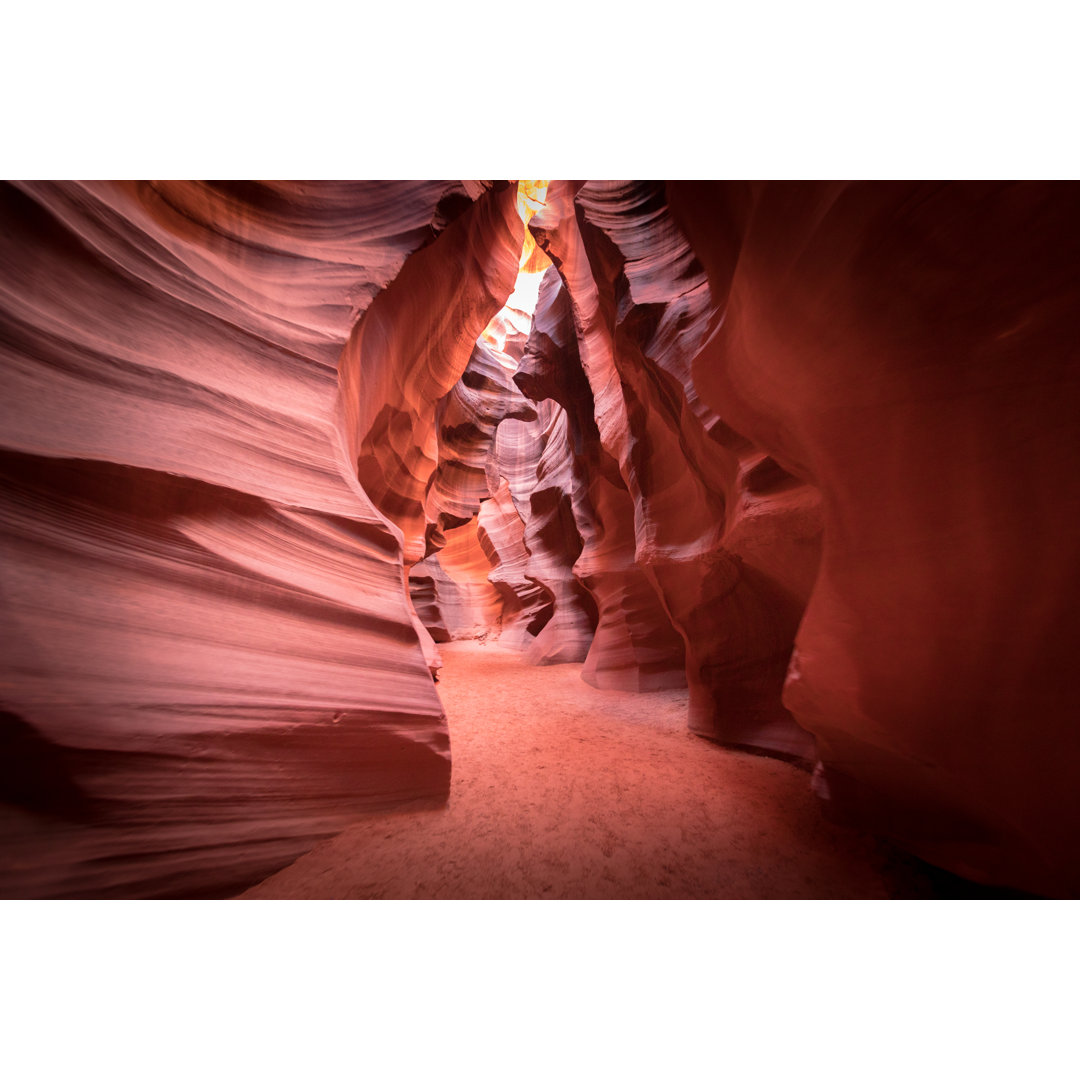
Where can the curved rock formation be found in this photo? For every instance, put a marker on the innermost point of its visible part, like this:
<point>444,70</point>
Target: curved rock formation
<point>451,589</point>
<point>466,420</point>
<point>907,348</point>
<point>534,461</point>
<point>634,646</point>
<point>808,447</point>
<point>493,447</point>
<point>642,310</point>
<point>205,630</point>
<point>411,348</point>
<point>526,605</point>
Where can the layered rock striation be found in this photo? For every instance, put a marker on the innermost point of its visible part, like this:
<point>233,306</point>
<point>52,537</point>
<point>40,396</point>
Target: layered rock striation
<point>681,534</point>
<point>208,653</point>
<point>808,449</point>
<point>634,645</point>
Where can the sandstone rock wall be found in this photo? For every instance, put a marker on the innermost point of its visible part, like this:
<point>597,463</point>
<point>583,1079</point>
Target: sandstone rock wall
<point>810,448</point>
<point>908,349</point>
<point>680,530</point>
<point>634,647</point>
<point>209,658</point>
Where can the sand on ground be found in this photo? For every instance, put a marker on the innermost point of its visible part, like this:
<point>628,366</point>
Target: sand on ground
<point>563,791</point>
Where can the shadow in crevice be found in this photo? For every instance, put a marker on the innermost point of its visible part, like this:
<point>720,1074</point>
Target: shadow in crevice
<point>36,774</point>
<point>910,878</point>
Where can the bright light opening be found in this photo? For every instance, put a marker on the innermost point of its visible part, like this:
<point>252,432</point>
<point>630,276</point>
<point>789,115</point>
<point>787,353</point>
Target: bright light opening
<point>515,318</point>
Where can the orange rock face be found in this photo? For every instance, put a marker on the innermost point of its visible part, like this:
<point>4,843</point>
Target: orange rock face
<point>808,449</point>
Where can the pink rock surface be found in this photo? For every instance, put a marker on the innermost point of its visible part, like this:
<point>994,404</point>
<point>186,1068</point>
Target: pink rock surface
<point>642,310</point>
<point>809,449</point>
<point>413,346</point>
<point>505,474</point>
<point>634,645</point>
<point>454,585</point>
<point>207,647</point>
<point>466,420</point>
<point>537,466</point>
<point>526,604</point>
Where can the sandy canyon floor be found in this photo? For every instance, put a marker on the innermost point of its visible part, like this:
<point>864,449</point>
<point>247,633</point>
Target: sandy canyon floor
<point>562,791</point>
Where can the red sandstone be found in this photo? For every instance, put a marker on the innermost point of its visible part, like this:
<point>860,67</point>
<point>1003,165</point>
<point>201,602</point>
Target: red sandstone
<point>809,450</point>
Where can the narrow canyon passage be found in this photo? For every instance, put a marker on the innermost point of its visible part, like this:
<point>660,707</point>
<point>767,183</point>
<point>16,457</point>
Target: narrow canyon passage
<point>786,467</point>
<point>563,791</point>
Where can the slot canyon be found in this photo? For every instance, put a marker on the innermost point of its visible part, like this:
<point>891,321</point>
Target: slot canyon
<point>539,539</point>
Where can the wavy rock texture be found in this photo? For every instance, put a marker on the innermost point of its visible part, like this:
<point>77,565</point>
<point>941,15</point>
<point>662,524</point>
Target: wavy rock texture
<point>535,462</point>
<point>909,349</point>
<point>504,478</point>
<point>634,646</point>
<point>514,580</point>
<point>209,659</point>
<point>810,448</point>
<point>466,420</point>
<point>405,357</point>
<point>451,589</point>
<point>412,347</point>
<point>527,605</point>
<point>732,567</point>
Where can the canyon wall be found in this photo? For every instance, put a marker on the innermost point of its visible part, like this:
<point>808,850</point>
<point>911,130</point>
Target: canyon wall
<point>826,433</point>
<point>908,349</point>
<point>209,656</point>
<point>694,530</point>
<point>807,449</point>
